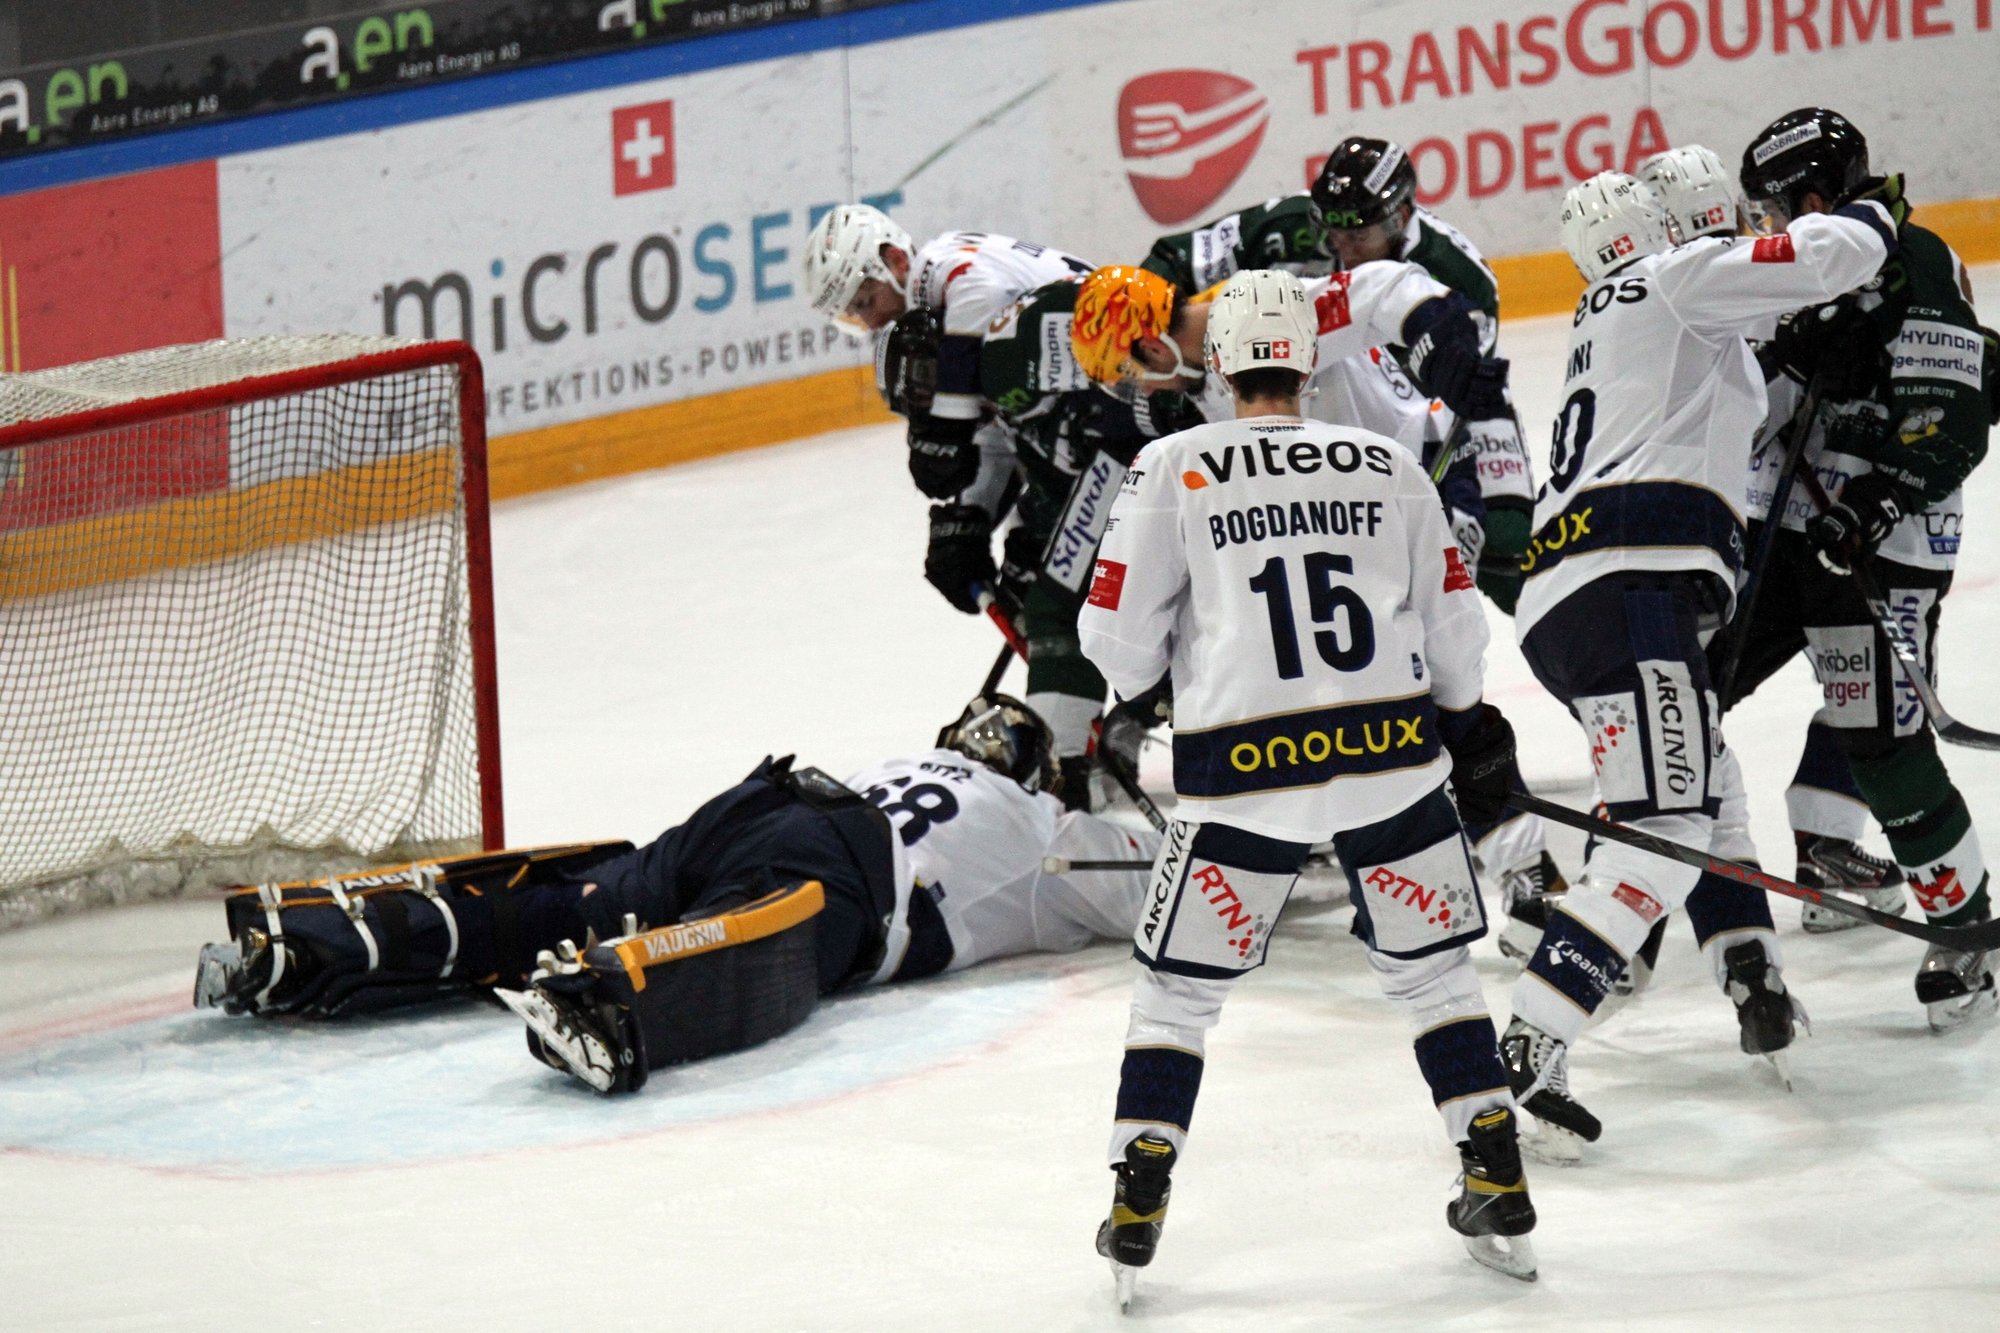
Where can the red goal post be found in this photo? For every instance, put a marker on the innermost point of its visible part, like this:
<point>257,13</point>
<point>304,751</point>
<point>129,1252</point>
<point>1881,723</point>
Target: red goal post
<point>246,617</point>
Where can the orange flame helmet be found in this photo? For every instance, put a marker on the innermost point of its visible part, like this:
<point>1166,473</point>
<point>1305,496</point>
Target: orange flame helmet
<point>1116,307</point>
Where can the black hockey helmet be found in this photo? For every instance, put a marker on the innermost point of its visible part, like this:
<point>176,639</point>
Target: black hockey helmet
<point>1009,737</point>
<point>1363,182</point>
<point>906,356</point>
<point>1809,151</point>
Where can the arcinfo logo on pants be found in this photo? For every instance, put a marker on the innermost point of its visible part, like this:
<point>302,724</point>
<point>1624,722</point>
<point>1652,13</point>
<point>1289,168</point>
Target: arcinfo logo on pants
<point>1186,135</point>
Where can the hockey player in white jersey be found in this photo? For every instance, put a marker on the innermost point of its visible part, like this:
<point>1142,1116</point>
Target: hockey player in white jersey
<point>1297,582</point>
<point>1828,813</point>
<point>1639,538</point>
<point>864,270</point>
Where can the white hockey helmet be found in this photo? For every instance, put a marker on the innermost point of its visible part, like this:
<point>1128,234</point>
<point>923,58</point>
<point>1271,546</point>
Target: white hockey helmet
<point>1610,220</point>
<point>845,250</point>
<point>1700,195</point>
<point>1261,319</point>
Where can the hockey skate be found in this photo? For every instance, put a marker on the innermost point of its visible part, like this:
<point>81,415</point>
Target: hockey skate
<point>1525,891</point>
<point>1836,864</point>
<point>234,975</point>
<point>1130,1235</point>
<point>1955,987</point>
<point>565,1035</point>
<point>1766,1012</point>
<point>1538,1072</point>
<point>1492,1211</point>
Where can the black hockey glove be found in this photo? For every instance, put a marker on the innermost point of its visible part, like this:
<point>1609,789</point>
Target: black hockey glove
<point>1837,341</point>
<point>943,458</point>
<point>1866,509</point>
<point>1481,742</point>
<point>960,556</point>
<point>1020,566</point>
<point>1127,725</point>
<point>1445,361</point>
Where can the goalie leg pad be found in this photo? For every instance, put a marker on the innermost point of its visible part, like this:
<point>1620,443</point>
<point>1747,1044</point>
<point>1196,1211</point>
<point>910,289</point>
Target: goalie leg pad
<point>713,984</point>
<point>381,939</point>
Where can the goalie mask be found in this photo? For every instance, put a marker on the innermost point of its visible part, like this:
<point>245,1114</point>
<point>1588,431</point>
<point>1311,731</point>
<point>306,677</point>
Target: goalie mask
<point>1262,320</point>
<point>1008,737</point>
<point>1612,220</point>
<point>906,356</point>
<point>843,252</point>
<point>1695,188</point>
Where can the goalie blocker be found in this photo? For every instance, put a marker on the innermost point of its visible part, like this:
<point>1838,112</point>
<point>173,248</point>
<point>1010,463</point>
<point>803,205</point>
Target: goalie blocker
<point>746,938</point>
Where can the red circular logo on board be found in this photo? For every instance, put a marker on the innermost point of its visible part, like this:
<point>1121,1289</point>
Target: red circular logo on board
<point>1186,135</point>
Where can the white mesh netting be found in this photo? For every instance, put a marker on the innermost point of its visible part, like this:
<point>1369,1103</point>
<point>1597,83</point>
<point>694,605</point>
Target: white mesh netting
<point>234,643</point>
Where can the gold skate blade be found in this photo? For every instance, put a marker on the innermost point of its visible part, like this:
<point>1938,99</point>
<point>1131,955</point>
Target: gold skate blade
<point>1512,1255</point>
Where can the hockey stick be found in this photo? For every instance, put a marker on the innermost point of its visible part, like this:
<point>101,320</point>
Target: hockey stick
<point>991,606</point>
<point>1781,495</point>
<point>1128,782</point>
<point>1058,865</point>
<point>1903,644</point>
<point>1971,939</point>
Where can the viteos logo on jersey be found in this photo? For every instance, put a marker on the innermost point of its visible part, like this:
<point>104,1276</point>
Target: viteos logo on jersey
<point>1186,135</point>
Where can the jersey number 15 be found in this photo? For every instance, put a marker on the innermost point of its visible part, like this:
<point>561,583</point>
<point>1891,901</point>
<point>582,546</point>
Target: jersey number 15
<point>1325,599</point>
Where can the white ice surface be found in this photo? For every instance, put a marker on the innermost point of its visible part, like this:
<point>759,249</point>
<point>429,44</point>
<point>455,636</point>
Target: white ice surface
<point>931,1156</point>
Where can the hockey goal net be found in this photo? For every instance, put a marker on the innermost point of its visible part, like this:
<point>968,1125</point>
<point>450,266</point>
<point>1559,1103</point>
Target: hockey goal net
<point>245,617</point>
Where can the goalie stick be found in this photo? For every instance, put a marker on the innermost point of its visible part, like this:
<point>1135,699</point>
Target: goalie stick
<point>1902,644</point>
<point>1970,939</point>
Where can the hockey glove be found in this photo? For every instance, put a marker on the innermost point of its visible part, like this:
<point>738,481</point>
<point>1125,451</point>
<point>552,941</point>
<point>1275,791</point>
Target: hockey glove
<point>1020,566</point>
<point>960,556</point>
<point>1837,341</point>
<point>1444,357</point>
<point>943,458</point>
<point>1481,742</point>
<point>1128,724</point>
<point>1868,507</point>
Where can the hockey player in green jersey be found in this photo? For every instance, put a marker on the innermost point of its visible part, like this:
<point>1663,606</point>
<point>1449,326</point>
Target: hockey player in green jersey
<point>1903,375</point>
<point>1068,447</point>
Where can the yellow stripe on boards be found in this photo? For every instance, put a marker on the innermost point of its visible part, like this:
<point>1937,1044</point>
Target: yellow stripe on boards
<point>196,530</point>
<point>683,431</point>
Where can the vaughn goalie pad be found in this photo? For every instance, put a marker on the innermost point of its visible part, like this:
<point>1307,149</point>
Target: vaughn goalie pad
<point>700,987</point>
<point>398,935</point>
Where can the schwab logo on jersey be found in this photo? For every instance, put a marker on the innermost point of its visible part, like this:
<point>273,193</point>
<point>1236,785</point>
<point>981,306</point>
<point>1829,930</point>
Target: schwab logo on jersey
<point>1083,523</point>
<point>1186,135</point>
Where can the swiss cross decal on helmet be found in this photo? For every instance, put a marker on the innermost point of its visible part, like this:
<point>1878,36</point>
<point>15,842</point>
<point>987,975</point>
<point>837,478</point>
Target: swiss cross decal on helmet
<point>1695,188</point>
<point>1611,220</point>
<point>1262,320</point>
